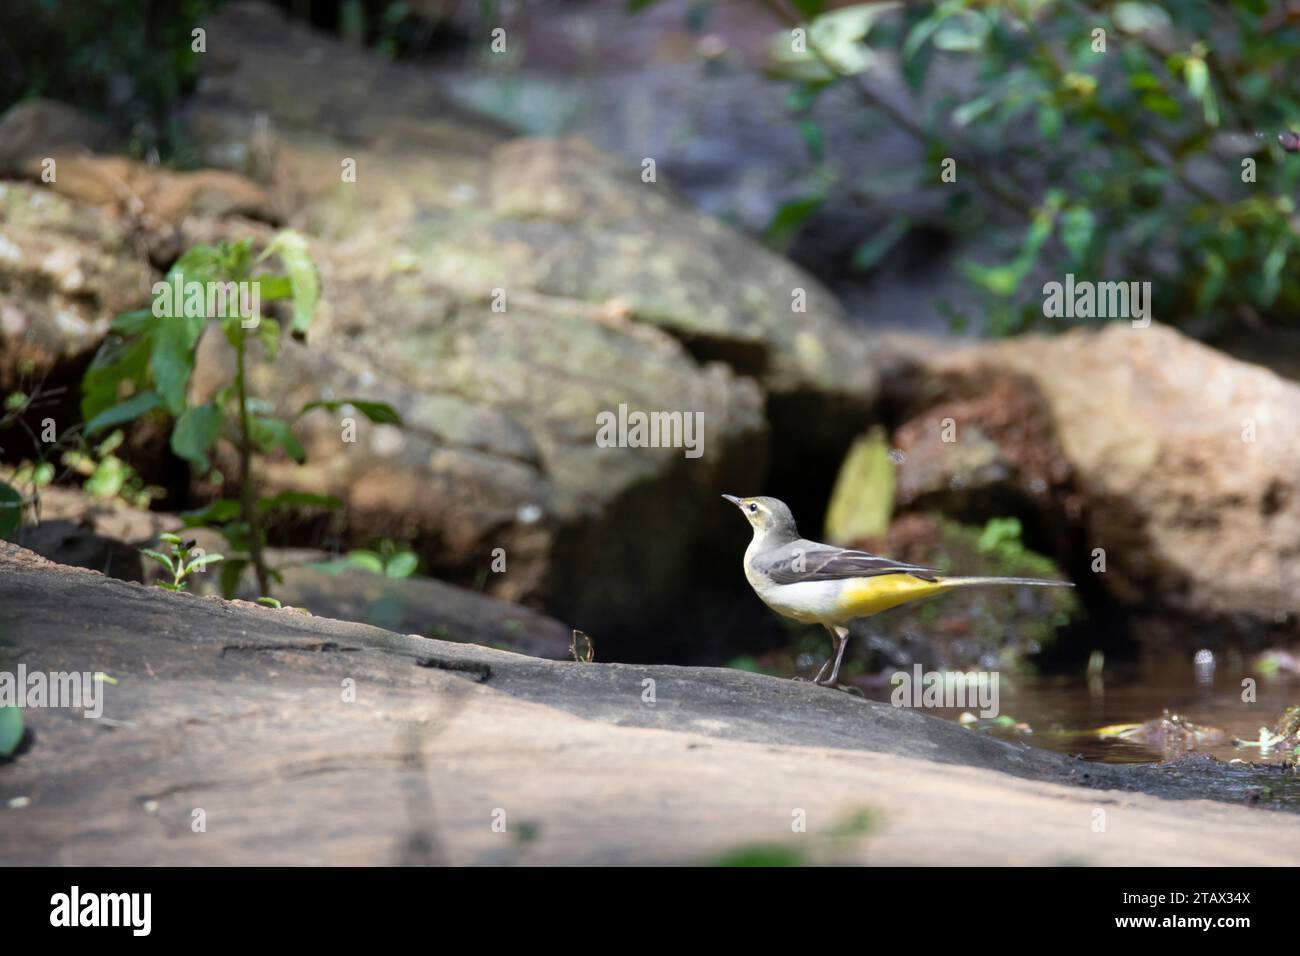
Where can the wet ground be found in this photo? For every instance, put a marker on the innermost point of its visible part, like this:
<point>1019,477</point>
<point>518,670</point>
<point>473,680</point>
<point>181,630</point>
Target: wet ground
<point>1191,709</point>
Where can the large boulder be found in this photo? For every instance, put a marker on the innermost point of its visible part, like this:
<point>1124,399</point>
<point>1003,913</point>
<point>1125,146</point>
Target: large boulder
<point>66,268</point>
<point>1178,462</point>
<point>450,196</point>
<point>38,129</point>
<point>501,294</point>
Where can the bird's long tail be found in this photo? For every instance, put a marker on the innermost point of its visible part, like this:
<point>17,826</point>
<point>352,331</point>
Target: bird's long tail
<point>976,582</point>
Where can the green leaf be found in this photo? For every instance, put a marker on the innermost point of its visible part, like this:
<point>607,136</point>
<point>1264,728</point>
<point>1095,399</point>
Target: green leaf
<point>1271,274</point>
<point>219,512</point>
<point>171,538</point>
<point>201,263</point>
<point>293,252</point>
<point>43,474</point>
<point>1139,18</point>
<point>381,413</point>
<point>123,412</point>
<point>108,479</point>
<point>200,563</point>
<point>814,140</point>
<point>970,111</point>
<point>111,444</point>
<point>11,511</point>
<point>1077,227</point>
<point>163,559</point>
<point>926,28</point>
<point>367,561</point>
<point>196,431</point>
<point>273,288</point>
<point>11,730</point>
<point>838,35</point>
<point>869,254</point>
<point>402,565</point>
<point>1001,281</point>
<point>963,32</point>
<point>791,217</point>
<point>172,359</point>
<point>133,323</point>
<point>1197,75</point>
<point>117,361</point>
<point>269,434</point>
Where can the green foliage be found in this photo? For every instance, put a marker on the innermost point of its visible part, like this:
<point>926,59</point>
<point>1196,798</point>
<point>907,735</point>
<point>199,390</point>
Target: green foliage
<point>391,560</point>
<point>130,62</point>
<point>1122,164</point>
<point>378,412</point>
<point>108,477</point>
<point>1002,536</point>
<point>11,730</point>
<point>181,560</point>
<point>145,366</point>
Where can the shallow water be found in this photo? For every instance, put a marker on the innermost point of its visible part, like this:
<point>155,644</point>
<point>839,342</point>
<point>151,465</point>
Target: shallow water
<point>1065,713</point>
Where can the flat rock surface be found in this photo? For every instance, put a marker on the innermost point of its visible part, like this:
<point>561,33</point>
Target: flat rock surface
<point>236,717</point>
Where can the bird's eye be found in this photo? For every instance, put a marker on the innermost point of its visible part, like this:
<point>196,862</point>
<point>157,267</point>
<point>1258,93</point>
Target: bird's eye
<point>753,508</point>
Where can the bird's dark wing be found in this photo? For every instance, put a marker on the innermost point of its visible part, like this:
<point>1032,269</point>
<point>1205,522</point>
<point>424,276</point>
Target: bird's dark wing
<point>810,561</point>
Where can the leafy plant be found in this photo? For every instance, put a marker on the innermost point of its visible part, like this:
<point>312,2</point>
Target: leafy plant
<point>145,365</point>
<point>107,476</point>
<point>1002,536</point>
<point>181,560</point>
<point>391,560</point>
<point>1114,141</point>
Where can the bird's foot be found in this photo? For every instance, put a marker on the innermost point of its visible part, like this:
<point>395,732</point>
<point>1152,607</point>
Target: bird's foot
<point>832,685</point>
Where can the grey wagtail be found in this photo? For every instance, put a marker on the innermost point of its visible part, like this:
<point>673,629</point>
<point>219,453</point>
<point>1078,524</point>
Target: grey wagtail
<point>822,584</point>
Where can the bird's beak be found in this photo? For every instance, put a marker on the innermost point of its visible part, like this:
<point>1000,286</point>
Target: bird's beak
<point>733,499</point>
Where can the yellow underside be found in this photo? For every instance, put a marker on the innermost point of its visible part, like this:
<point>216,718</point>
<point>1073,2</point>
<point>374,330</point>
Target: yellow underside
<point>863,597</point>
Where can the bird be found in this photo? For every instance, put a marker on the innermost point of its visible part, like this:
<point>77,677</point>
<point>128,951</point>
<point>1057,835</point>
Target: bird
<point>817,583</point>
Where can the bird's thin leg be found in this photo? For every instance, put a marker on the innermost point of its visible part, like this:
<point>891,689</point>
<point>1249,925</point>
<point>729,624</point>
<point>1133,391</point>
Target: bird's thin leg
<point>835,641</point>
<point>818,678</point>
<point>841,642</point>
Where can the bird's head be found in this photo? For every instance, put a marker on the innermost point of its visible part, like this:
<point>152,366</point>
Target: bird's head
<point>768,516</point>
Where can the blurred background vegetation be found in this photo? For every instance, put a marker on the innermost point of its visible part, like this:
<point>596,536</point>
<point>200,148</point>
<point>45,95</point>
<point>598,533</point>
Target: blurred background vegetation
<point>1101,139</point>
